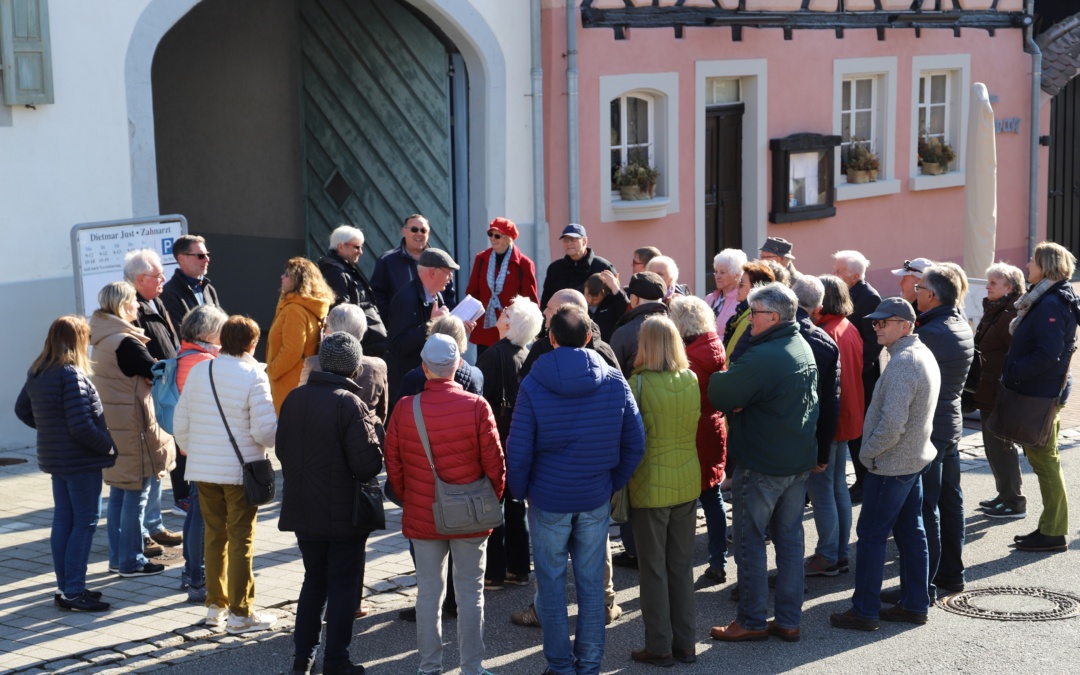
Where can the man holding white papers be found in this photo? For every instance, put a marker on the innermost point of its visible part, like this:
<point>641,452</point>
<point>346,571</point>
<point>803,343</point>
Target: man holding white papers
<point>418,302</point>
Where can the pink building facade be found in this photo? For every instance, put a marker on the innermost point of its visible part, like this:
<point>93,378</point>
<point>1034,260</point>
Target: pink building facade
<point>814,82</point>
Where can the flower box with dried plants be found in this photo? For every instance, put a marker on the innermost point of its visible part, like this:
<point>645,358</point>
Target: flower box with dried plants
<point>935,155</point>
<point>636,181</point>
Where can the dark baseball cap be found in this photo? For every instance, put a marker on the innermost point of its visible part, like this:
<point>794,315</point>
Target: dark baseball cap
<point>890,307</point>
<point>573,230</point>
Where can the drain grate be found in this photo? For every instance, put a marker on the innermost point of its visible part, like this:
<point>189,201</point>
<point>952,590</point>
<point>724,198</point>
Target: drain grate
<point>1013,603</point>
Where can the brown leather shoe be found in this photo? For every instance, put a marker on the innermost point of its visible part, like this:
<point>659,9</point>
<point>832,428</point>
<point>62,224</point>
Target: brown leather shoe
<point>733,632</point>
<point>168,538</point>
<point>853,621</point>
<point>645,656</point>
<point>151,549</point>
<point>785,634</point>
<point>684,655</point>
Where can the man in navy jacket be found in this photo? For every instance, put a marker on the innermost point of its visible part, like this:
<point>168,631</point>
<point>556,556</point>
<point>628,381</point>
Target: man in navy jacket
<point>568,476</point>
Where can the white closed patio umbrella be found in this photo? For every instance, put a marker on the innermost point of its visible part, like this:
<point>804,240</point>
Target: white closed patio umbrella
<point>980,192</point>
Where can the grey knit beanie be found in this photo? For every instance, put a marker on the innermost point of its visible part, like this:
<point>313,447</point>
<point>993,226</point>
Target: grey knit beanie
<point>340,353</point>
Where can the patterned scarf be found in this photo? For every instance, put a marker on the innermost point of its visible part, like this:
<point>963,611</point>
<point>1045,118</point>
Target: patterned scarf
<point>495,283</point>
<point>1027,300</point>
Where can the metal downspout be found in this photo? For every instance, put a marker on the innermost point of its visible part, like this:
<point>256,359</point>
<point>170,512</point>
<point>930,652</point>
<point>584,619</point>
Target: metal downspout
<point>1036,113</point>
<point>541,245</point>
<point>572,111</point>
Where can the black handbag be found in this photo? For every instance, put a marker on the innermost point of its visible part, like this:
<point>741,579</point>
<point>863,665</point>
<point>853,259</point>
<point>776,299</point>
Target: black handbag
<point>259,476</point>
<point>367,504</point>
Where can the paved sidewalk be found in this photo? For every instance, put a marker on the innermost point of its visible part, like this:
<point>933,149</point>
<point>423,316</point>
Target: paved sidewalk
<point>150,625</point>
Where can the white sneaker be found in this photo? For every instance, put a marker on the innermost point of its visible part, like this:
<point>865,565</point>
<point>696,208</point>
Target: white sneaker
<point>216,617</point>
<point>248,624</point>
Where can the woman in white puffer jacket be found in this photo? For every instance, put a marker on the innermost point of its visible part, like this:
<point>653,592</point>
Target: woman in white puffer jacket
<point>244,392</point>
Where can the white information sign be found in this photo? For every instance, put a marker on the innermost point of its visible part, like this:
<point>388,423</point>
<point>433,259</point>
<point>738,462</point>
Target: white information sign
<point>98,250</point>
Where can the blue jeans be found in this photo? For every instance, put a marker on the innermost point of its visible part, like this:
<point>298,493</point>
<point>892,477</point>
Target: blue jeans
<point>775,502</point>
<point>828,492</point>
<point>582,537</point>
<point>76,509</point>
<point>194,538</point>
<point>712,503</point>
<point>943,517</point>
<point>125,528</point>
<point>331,580</point>
<point>152,522</point>
<point>891,503</point>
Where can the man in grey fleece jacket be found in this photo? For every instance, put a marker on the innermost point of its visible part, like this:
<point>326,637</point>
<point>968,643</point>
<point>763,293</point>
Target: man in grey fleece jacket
<point>896,448</point>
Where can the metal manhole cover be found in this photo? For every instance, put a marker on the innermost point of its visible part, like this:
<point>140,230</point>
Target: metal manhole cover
<point>1013,603</point>
<point>10,461</point>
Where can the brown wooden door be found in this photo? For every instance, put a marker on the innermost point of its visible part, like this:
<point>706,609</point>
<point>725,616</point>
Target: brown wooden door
<point>723,182</point>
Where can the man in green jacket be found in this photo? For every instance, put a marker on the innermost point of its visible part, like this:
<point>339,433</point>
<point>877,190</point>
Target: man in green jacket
<point>770,399</point>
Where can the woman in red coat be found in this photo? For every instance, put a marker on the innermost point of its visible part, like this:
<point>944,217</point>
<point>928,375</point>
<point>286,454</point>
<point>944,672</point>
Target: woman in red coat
<point>705,351</point>
<point>498,274</point>
<point>828,489</point>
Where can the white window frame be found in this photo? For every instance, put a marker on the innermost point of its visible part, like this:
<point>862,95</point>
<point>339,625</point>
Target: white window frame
<point>957,96</point>
<point>874,140</point>
<point>662,90</point>
<point>883,70</point>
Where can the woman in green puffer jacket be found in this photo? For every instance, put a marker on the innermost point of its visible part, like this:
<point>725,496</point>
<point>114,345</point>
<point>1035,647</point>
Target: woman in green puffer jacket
<point>663,492</point>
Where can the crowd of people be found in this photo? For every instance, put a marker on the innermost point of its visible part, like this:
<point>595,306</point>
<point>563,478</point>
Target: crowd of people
<point>597,399</point>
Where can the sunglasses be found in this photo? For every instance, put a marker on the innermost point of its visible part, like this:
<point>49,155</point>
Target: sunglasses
<point>909,268</point>
<point>494,235</point>
<point>200,256</point>
<point>880,323</point>
<point>422,230</point>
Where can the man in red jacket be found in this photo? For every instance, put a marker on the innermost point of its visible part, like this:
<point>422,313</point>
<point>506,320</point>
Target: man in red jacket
<point>465,446</point>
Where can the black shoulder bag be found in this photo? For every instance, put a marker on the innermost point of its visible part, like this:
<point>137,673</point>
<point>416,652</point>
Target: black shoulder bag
<point>259,487</point>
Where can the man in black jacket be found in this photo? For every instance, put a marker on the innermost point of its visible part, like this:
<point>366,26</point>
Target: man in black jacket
<point>646,292</point>
<point>189,286</point>
<point>397,267</point>
<point>327,442</point>
<point>143,270</point>
<point>579,263</point>
<point>851,267</point>
<point>946,333</point>
<point>350,285</point>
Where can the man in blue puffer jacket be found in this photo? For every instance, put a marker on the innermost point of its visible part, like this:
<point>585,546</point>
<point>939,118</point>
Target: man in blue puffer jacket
<point>568,475</point>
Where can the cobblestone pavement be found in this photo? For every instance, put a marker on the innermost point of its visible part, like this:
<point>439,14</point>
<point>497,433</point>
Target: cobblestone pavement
<point>150,625</point>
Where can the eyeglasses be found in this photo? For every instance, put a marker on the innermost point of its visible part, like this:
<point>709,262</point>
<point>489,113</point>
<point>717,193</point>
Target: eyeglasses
<point>200,256</point>
<point>421,230</point>
<point>636,263</point>
<point>355,246</point>
<point>918,288</point>
<point>494,235</point>
<point>159,275</point>
<point>880,323</point>
<point>755,312</point>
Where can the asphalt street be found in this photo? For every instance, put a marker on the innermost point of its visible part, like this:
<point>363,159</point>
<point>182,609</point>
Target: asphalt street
<point>949,643</point>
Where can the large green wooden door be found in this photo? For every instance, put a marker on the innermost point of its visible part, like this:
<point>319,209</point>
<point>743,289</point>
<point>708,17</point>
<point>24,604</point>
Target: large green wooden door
<point>376,113</point>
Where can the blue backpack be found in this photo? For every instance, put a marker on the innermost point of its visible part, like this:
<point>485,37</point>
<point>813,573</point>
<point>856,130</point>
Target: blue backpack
<point>164,390</point>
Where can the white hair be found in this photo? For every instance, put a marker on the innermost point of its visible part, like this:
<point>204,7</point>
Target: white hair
<point>665,263</point>
<point>731,259</point>
<point>347,318</point>
<point>343,234</point>
<point>810,292</point>
<point>140,261</point>
<point>525,319</point>
<point>775,297</point>
<point>855,262</point>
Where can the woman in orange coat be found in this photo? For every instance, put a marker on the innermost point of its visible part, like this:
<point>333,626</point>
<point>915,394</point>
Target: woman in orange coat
<point>294,334</point>
<point>499,273</point>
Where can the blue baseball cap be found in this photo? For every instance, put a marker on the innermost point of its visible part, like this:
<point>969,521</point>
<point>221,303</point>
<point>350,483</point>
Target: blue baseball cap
<point>573,230</point>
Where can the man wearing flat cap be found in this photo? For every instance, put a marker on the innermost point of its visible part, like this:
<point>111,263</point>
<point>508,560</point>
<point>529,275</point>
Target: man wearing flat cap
<point>499,273</point>
<point>778,250</point>
<point>576,266</point>
<point>896,448</point>
<point>646,291</point>
<point>418,302</point>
